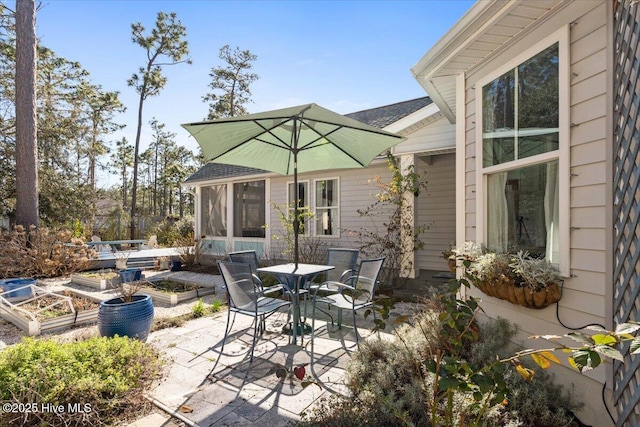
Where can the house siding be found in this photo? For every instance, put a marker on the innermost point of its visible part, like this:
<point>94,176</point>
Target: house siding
<point>585,297</point>
<point>356,191</point>
<point>436,208</point>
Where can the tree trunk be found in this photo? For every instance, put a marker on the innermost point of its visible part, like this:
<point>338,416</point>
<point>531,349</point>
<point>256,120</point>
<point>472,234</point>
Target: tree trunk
<point>26,120</point>
<point>134,183</point>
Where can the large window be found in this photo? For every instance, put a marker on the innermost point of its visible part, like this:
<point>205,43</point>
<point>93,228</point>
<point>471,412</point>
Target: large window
<point>523,155</point>
<point>249,209</point>
<point>327,210</point>
<point>520,110</point>
<point>213,210</point>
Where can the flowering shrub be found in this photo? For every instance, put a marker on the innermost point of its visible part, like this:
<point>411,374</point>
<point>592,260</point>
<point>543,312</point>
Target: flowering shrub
<point>41,252</point>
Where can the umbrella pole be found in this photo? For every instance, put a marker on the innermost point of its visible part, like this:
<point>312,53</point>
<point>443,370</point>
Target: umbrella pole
<point>296,223</point>
<point>296,195</point>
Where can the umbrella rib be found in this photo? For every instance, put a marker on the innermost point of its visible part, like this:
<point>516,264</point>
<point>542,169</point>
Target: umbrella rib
<point>321,136</point>
<point>264,128</point>
<point>374,130</point>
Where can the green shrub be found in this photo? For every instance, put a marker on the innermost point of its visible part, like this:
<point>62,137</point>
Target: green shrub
<point>392,383</point>
<point>537,403</point>
<point>167,233</point>
<point>104,376</point>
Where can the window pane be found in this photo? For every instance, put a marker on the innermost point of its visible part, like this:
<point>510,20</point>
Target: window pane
<point>249,209</point>
<point>214,210</point>
<point>303,199</point>
<point>538,104</point>
<point>327,213</point>
<point>498,115</point>
<point>303,205</point>
<point>520,110</point>
<point>326,193</point>
<point>522,210</point>
<point>327,222</point>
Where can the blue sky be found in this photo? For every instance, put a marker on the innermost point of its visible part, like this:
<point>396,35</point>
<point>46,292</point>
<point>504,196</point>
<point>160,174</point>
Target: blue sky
<point>345,56</point>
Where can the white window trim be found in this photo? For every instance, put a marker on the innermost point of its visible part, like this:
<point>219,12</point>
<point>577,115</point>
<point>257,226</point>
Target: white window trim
<point>308,200</point>
<point>562,154</point>
<point>337,207</point>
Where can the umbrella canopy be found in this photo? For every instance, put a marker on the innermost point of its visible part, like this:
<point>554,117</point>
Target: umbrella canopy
<point>291,140</point>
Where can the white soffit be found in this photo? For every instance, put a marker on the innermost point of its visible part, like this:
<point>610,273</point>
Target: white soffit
<point>485,28</point>
<point>418,118</point>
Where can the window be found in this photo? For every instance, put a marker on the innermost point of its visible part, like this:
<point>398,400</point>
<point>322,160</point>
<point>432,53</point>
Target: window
<point>213,209</point>
<point>303,204</point>
<point>524,161</point>
<point>522,208</point>
<point>327,211</point>
<point>249,209</point>
<point>520,110</point>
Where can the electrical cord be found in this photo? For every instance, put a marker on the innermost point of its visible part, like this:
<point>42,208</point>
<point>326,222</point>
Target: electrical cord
<point>604,386</point>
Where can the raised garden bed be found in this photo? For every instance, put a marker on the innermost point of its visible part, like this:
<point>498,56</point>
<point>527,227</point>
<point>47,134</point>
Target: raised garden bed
<point>101,280</point>
<point>172,291</point>
<point>48,311</point>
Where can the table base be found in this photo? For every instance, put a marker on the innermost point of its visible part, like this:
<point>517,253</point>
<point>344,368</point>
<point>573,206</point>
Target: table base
<point>302,329</point>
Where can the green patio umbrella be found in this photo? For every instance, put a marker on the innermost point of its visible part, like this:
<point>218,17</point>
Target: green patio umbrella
<point>290,140</point>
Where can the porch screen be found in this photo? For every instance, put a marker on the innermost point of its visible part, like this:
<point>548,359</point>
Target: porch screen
<point>214,210</point>
<point>249,209</point>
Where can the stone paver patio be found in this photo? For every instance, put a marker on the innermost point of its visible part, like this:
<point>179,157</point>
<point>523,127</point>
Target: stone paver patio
<point>204,387</point>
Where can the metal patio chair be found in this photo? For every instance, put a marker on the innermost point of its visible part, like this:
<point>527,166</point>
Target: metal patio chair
<point>355,296</point>
<point>245,297</point>
<point>344,261</point>
<point>251,257</point>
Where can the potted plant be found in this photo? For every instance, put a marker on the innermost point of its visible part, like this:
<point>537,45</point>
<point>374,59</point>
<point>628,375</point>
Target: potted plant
<point>17,289</point>
<point>541,280</point>
<point>130,314</point>
<point>162,263</point>
<point>515,277</point>
<point>121,259</point>
<point>450,256</point>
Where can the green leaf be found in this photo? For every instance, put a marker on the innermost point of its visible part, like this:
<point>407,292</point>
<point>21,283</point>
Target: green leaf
<point>609,352</point>
<point>585,360</point>
<point>635,346</point>
<point>430,364</point>
<point>626,328</point>
<point>602,339</point>
<point>281,373</point>
<point>447,383</point>
<point>580,337</point>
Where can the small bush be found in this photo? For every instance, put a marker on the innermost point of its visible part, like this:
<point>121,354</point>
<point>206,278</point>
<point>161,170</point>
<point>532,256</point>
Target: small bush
<point>41,252</point>
<point>104,377</point>
<point>198,309</point>
<point>216,306</point>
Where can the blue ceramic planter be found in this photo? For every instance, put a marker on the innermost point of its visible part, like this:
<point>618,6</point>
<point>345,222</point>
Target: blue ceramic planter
<point>132,319</point>
<point>17,294</point>
<point>176,265</point>
<point>130,275</point>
